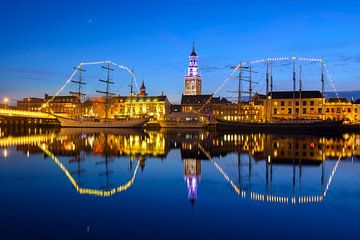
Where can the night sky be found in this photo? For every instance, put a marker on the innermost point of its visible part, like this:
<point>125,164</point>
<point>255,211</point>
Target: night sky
<point>42,40</point>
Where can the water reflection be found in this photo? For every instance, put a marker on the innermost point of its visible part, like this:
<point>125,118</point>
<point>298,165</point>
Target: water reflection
<point>256,166</point>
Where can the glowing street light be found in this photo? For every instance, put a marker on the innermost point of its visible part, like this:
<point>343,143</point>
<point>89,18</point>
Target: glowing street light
<point>6,100</point>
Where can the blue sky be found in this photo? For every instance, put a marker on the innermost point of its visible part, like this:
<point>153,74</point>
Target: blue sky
<point>42,40</point>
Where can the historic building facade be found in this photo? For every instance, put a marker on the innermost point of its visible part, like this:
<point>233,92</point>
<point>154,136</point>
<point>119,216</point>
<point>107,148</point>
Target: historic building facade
<point>141,105</point>
<point>339,109</point>
<point>305,105</point>
<point>193,78</point>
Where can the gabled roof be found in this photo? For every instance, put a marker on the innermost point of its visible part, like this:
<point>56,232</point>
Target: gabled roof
<point>289,94</point>
<point>202,99</point>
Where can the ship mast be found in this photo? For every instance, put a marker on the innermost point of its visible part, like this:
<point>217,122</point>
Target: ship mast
<point>106,92</point>
<point>131,90</point>
<point>322,86</point>
<point>271,90</point>
<point>300,90</point>
<point>267,90</point>
<point>294,87</point>
<point>79,82</point>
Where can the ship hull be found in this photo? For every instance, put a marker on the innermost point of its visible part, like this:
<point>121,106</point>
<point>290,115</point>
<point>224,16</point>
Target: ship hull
<point>131,123</point>
<point>304,126</point>
<point>182,125</point>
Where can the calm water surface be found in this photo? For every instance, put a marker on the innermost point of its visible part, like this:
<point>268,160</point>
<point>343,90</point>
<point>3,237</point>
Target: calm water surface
<point>131,184</point>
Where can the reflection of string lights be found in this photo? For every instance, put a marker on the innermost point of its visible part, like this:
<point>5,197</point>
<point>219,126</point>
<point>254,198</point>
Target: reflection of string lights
<point>35,140</point>
<point>332,174</point>
<point>89,191</point>
<point>271,198</point>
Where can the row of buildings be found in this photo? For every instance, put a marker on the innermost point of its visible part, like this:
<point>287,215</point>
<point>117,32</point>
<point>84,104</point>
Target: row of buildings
<point>260,108</point>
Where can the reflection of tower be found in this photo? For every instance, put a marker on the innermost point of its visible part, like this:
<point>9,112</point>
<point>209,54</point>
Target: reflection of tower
<point>192,171</point>
<point>193,78</point>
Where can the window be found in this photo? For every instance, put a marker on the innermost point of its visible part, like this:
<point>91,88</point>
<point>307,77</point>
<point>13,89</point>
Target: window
<point>304,111</point>
<point>275,110</point>
<point>312,103</point>
<point>297,110</point>
<point>319,110</point>
<point>304,103</point>
<point>297,103</point>
<point>289,110</point>
<point>282,103</point>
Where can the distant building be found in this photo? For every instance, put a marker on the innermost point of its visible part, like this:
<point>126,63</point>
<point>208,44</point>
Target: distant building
<point>193,79</point>
<point>67,106</point>
<point>140,105</point>
<point>175,108</point>
<point>211,108</point>
<point>356,105</point>
<point>30,104</point>
<point>306,105</point>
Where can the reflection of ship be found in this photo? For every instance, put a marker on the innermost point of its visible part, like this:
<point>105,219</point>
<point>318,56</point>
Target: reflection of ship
<point>266,163</point>
<point>181,120</point>
<point>292,125</point>
<point>94,122</point>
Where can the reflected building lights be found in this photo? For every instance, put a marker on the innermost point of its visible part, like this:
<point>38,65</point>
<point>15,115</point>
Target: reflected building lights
<point>196,147</point>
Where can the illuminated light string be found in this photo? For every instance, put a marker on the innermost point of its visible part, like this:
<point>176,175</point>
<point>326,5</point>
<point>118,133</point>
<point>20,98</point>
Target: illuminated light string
<point>37,139</point>
<point>332,174</point>
<point>85,64</point>
<point>278,59</point>
<point>272,198</point>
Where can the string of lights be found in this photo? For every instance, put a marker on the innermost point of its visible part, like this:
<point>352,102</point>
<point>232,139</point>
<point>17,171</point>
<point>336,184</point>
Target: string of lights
<point>85,64</point>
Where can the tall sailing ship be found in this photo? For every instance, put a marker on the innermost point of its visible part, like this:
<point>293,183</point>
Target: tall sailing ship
<point>296,123</point>
<point>94,122</point>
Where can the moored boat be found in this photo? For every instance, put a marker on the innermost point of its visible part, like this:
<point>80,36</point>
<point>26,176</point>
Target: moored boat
<point>181,120</point>
<point>288,125</point>
<point>102,123</point>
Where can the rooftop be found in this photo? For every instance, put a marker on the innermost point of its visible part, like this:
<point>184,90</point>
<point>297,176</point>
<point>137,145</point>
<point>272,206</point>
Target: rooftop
<point>141,98</point>
<point>289,94</point>
<point>202,99</point>
<point>338,100</point>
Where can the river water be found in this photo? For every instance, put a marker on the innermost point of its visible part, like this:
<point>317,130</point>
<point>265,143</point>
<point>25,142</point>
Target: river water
<point>134,184</point>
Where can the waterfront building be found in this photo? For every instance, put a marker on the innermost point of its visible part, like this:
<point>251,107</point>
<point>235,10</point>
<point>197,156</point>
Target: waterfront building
<point>211,108</point>
<point>356,105</point>
<point>30,104</point>
<point>136,106</point>
<point>193,79</point>
<point>140,106</point>
<point>339,109</point>
<point>299,104</point>
<point>66,106</point>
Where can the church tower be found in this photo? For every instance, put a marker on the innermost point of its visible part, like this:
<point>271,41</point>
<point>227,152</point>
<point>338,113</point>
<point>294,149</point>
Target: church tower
<point>193,78</point>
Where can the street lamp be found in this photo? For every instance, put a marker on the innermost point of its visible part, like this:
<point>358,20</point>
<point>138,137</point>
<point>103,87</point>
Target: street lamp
<point>6,100</point>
